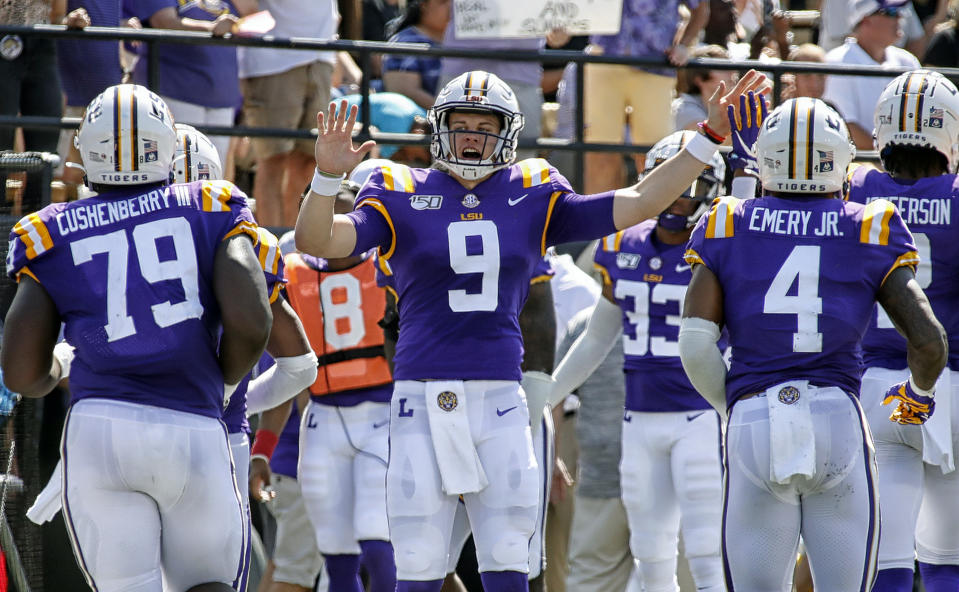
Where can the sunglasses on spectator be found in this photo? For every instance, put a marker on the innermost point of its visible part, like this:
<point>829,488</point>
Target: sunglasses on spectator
<point>893,11</point>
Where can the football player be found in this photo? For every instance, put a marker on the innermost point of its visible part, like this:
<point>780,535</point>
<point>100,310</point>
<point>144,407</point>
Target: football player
<point>344,438</point>
<point>917,126</point>
<point>149,279</point>
<point>670,465</point>
<point>295,363</point>
<point>793,276</point>
<point>463,238</point>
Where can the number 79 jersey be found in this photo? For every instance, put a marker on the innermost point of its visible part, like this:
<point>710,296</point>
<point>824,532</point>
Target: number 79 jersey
<point>929,207</point>
<point>131,275</point>
<point>799,279</point>
<point>463,259</point>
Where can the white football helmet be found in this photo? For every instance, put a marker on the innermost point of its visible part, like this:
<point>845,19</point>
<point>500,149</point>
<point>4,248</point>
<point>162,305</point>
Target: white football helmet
<point>362,172</point>
<point>804,147</point>
<point>704,189</point>
<point>919,108</point>
<point>477,92</point>
<point>196,157</point>
<point>127,137</point>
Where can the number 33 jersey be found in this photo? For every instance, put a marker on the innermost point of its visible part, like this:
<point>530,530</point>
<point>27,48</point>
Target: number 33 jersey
<point>929,207</point>
<point>462,259</point>
<point>799,279</point>
<point>131,274</point>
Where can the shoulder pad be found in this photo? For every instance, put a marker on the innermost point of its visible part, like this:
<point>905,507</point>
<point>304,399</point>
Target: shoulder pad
<point>215,195</point>
<point>397,177</point>
<point>720,217</point>
<point>874,228</point>
<point>268,251</point>
<point>535,171</point>
<point>611,242</point>
<point>34,235</point>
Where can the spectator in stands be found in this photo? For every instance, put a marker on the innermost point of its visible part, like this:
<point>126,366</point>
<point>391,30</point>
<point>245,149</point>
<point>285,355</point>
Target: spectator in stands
<point>612,88</point>
<point>804,85</point>
<point>286,88</point>
<point>29,79</point>
<point>198,82</point>
<point>397,114</point>
<point>86,68</point>
<point>695,85</point>
<point>376,14</point>
<point>943,49</point>
<point>875,26</point>
<point>417,76</point>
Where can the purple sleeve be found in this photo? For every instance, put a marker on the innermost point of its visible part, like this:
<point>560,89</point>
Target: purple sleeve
<point>604,258</point>
<point>580,217</point>
<point>144,9</point>
<point>372,229</point>
<point>543,271</point>
<point>696,249</point>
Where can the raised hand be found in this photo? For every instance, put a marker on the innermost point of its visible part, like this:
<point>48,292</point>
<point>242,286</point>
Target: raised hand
<point>745,123</point>
<point>752,81</point>
<point>915,405</point>
<point>335,154</point>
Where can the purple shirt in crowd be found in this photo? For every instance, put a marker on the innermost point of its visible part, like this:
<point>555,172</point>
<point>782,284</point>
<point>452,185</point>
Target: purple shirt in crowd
<point>205,75</point>
<point>799,278</point>
<point>463,259</point>
<point>929,207</point>
<point>131,274</point>
<point>88,67</point>
<point>428,67</point>
<point>649,281</point>
<point>647,30</point>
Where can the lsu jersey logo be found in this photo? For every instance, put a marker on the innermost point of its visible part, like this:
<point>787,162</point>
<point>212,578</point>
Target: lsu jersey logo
<point>788,395</point>
<point>426,202</point>
<point>470,200</point>
<point>627,260</point>
<point>447,401</point>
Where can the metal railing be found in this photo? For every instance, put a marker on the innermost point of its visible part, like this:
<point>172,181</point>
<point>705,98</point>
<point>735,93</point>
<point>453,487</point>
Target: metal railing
<point>366,49</point>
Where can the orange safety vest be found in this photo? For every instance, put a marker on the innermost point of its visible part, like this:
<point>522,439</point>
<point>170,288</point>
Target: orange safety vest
<point>340,311</point>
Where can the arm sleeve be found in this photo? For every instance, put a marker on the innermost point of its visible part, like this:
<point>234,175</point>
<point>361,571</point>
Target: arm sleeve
<point>702,360</point>
<point>282,381</point>
<point>575,217</point>
<point>372,229</point>
<point>588,351</point>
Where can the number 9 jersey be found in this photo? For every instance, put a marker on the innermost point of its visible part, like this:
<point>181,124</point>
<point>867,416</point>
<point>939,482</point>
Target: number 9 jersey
<point>131,274</point>
<point>799,279</point>
<point>463,259</point>
<point>927,207</point>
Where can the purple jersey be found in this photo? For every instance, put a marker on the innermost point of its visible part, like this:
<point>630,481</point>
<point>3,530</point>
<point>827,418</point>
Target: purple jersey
<point>463,259</point>
<point>926,207</point>
<point>131,274</point>
<point>271,261</point>
<point>799,278</point>
<point>649,281</point>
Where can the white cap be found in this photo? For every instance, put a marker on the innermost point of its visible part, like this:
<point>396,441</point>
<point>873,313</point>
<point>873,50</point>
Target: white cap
<point>860,9</point>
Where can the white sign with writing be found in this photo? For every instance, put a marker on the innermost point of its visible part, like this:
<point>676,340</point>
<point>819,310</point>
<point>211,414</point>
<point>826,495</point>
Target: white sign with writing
<point>479,19</point>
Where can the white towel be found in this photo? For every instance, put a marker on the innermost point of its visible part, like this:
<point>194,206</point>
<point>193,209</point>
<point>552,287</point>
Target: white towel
<point>459,464</point>
<point>792,439</point>
<point>48,503</point>
<point>937,432</point>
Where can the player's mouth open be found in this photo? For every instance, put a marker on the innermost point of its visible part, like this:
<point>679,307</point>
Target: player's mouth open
<point>470,153</point>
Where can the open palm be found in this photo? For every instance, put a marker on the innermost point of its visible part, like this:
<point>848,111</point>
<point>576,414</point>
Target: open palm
<point>335,154</point>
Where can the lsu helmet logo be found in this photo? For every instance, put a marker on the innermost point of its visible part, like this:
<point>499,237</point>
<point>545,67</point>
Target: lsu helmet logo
<point>447,401</point>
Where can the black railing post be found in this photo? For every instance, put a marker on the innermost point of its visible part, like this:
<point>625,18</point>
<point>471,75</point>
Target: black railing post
<point>366,66</point>
<point>153,67</point>
<point>579,163</point>
<point>777,88</point>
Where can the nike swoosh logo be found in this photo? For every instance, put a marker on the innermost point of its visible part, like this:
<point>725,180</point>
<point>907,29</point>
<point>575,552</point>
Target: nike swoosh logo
<point>680,268</point>
<point>504,411</point>
<point>694,416</point>
<point>627,417</point>
<point>513,202</point>
<point>380,424</point>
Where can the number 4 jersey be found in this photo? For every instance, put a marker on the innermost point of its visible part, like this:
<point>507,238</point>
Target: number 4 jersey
<point>799,278</point>
<point>131,275</point>
<point>928,207</point>
<point>463,259</point>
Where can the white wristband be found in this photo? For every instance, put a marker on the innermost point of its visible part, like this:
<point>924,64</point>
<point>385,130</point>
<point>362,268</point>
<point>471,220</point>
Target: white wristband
<point>324,184</point>
<point>701,148</point>
<point>744,187</point>
<point>922,392</point>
